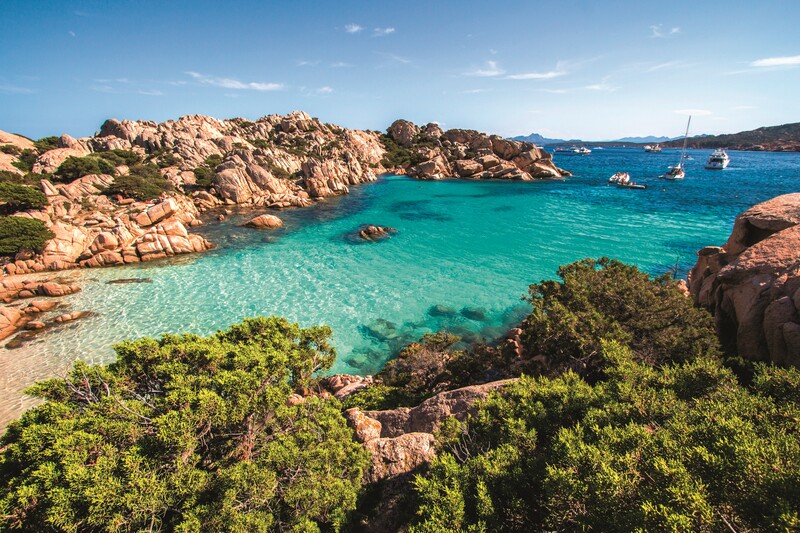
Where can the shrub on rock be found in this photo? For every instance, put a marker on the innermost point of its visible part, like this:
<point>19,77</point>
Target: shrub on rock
<point>143,182</point>
<point>20,233</point>
<point>15,197</point>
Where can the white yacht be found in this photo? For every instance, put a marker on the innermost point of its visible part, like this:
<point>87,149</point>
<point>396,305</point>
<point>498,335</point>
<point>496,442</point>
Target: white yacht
<point>719,160</point>
<point>652,148</point>
<point>583,151</point>
<point>677,172</point>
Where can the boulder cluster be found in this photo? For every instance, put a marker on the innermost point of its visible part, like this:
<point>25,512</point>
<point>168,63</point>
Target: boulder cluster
<point>752,283</point>
<point>470,154</point>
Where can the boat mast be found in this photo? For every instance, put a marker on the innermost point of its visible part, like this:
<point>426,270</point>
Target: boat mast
<point>685,140</point>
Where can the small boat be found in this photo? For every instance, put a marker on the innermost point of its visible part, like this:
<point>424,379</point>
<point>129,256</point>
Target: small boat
<point>564,149</point>
<point>655,148</point>
<point>619,177</point>
<point>676,172</point>
<point>719,160</point>
<point>583,151</point>
<point>632,185</point>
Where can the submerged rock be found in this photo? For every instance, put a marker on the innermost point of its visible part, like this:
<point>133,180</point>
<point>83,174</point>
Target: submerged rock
<point>441,310</point>
<point>474,313</point>
<point>129,280</point>
<point>370,232</point>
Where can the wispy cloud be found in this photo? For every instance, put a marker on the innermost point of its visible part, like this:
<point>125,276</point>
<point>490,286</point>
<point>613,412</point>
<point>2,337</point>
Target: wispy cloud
<point>555,91</point>
<point>536,75</point>
<point>15,89</point>
<point>341,64</point>
<point>304,63</point>
<point>695,112</point>
<point>102,88</point>
<point>667,65</point>
<point>324,90</point>
<point>399,59</point>
<point>786,61</point>
<point>490,70</point>
<point>71,33</point>
<point>150,92</point>
<point>657,31</point>
<point>602,86</point>
<point>353,28</point>
<point>474,91</point>
<point>382,32</point>
<point>231,83</point>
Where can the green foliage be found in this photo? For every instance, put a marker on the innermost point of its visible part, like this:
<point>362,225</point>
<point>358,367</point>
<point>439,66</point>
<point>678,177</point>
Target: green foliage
<point>682,447</point>
<point>15,197</point>
<point>45,144</point>
<point>143,182</point>
<point>259,143</point>
<point>204,174</point>
<point>76,167</point>
<point>279,172</point>
<point>396,156</point>
<point>186,433</point>
<point>20,233</point>
<point>609,299</point>
<point>10,149</point>
<point>118,157</point>
<point>27,179</point>
<point>26,159</point>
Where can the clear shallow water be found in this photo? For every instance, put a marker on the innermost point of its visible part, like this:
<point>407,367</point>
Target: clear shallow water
<point>460,244</point>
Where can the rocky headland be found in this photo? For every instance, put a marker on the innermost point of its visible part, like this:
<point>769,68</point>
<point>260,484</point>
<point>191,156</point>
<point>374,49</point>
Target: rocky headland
<point>752,283</point>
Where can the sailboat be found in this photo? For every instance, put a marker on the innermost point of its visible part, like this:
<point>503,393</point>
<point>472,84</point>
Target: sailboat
<point>677,172</point>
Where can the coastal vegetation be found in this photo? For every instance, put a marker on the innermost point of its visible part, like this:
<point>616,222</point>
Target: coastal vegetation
<point>186,433</point>
<point>783,138</point>
<point>20,233</point>
<point>76,167</point>
<point>15,197</point>
<point>142,182</point>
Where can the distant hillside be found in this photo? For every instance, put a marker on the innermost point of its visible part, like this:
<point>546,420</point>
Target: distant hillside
<point>648,139</point>
<point>538,140</point>
<point>784,138</point>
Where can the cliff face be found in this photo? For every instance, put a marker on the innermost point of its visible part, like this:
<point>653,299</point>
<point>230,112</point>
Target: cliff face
<point>435,154</point>
<point>752,283</point>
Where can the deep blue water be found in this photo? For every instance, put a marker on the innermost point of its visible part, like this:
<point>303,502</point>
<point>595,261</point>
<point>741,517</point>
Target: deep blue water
<point>469,246</point>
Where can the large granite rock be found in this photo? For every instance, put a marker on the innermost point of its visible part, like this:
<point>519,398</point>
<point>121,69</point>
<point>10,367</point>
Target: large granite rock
<point>751,283</point>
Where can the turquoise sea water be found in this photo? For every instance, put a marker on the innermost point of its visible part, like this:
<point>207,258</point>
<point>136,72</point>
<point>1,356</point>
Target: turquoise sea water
<point>460,244</point>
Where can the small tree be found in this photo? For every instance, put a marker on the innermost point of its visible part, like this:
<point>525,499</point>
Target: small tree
<point>143,182</point>
<point>76,167</point>
<point>20,233</point>
<point>186,433</point>
<point>15,197</point>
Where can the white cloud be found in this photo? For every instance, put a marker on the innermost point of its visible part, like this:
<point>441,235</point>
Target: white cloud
<point>489,71</point>
<point>399,59</point>
<point>474,91</point>
<point>536,75</point>
<point>341,64</point>
<point>695,112</point>
<point>667,65</point>
<point>602,86</point>
<point>151,92</point>
<point>658,33</point>
<point>307,63</point>
<point>353,28</point>
<point>14,89</point>
<point>71,33</point>
<point>555,91</point>
<point>324,90</point>
<point>231,83</point>
<point>382,32</point>
<point>786,61</point>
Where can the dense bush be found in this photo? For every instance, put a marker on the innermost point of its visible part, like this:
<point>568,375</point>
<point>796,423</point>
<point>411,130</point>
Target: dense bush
<point>20,233</point>
<point>607,299</point>
<point>204,174</point>
<point>119,157</point>
<point>15,197</point>
<point>396,156</point>
<point>45,144</point>
<point>26,159</point>
<point>143,182</point>
<point>681,447</point>
<point>10,149</point>
<point>76,167</point>
<point>186,433</point>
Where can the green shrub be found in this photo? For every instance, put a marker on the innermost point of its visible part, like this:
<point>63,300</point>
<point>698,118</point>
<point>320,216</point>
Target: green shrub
<point>15,197</point>
<point>609,299</point>
<point>143,182</point>
<point>681,447</point>
<point>28,178</point>
<point>204,174</point>
<point>26,160</point>
<point>20,233</point>
<point>396,156</point>
<point>45,144</point>
<point>76,167</point>
<point>259,143</point>
<point>119,157</point>
<point>186,433</point>
<point>10,149</point>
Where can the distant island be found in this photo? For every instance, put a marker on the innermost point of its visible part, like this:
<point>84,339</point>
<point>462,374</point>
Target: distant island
<point>783,138</point>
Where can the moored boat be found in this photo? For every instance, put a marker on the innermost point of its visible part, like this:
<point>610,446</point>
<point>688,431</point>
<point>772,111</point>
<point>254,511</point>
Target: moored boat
<point>652,148</point>
<point>619,177</point>
<point>677,172</point>
<point>719,160</point>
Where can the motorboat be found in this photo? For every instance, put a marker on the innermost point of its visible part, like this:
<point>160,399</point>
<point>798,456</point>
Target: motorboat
<point>677,172</point>
<point>655,148</point>
<point>619,177</point>
<point>718,161</point>
<point>623,180</point>
<point>583,151</point>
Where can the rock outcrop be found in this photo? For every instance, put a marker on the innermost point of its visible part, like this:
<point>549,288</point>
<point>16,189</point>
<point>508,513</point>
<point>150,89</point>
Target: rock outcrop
<point>401,440</point>
<point>752,283</point>
<point>265,221</point>
<point>470,154</point>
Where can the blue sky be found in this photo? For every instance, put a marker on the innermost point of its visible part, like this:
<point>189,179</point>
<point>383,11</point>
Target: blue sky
<point>569,69</point>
